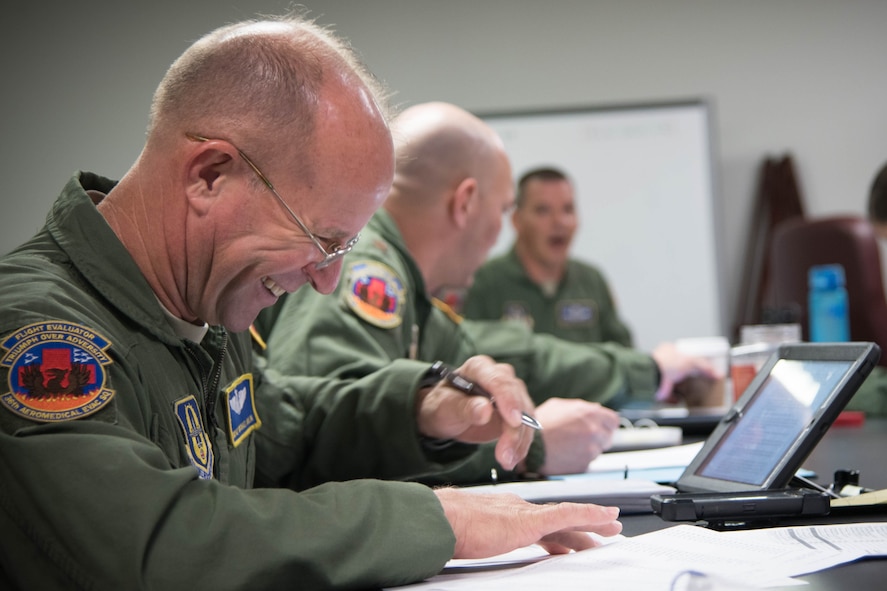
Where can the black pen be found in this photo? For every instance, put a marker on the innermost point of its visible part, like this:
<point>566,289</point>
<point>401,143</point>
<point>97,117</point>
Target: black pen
<point>473,389</point>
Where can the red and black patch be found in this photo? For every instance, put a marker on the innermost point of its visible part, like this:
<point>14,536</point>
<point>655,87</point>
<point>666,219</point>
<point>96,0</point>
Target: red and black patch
<point>56,372</point>
<point>376,294</point>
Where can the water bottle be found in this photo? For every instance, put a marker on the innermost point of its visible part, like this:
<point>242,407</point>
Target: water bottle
<point>828,313</point>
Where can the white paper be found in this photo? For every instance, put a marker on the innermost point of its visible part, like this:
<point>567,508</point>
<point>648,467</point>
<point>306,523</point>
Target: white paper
<point>651,562</point>
<point>645,459</point>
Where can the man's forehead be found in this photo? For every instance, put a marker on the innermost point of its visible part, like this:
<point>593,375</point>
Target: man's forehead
<point>547,189</point>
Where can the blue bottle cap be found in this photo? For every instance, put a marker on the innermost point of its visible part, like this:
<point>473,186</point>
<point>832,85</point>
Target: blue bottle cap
<point>826,277</point>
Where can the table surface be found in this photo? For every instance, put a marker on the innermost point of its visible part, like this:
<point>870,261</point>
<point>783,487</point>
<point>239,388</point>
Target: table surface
<point>841,448</point>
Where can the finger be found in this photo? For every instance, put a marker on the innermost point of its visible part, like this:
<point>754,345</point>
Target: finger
<point>513,445</point>
<point>596,449</point>
<point>611,420</point>
<point>477,411</point>
<point>610,528</point>
<point>475,420</point>
<point>509,392</point>
<point>705,367</point>
<point>583,517</point>
<point>563,542</point>
<point>447,413</point>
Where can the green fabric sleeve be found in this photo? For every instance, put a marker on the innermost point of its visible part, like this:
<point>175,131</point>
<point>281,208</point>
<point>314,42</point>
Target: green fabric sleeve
<point>124,520</point>
<point>327,429</point>
<point>606,372</point>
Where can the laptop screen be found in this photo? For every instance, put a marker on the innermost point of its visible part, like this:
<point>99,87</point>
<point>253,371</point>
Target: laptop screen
<point>763,439</point>
<point>780,410</point>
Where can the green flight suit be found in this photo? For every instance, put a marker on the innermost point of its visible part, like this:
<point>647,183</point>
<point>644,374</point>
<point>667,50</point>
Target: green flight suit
<point>582,309</point>
<point>381,312</point>
<point>127,452</point>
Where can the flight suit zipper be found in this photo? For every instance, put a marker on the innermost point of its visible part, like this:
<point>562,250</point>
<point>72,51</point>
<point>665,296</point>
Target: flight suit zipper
<point>209,380</point>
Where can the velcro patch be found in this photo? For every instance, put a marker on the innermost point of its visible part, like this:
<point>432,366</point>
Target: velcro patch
<point>375,293</point>
<point>56,372</point>
<point>242,416</point>
<point>197,444</point>
<point>577,313</point>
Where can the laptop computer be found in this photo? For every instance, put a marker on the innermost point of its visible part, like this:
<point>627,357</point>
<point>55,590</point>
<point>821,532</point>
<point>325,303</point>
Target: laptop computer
<point>761,442</point>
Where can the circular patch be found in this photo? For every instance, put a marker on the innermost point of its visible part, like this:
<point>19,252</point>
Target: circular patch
<point>56,372</point>
<point>375,293</point>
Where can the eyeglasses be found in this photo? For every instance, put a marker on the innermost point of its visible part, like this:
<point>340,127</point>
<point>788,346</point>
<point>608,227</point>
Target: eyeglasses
<point>335,251</point>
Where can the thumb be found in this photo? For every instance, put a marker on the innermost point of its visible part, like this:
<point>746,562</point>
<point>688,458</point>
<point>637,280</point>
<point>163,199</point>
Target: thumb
<point>477,410</point>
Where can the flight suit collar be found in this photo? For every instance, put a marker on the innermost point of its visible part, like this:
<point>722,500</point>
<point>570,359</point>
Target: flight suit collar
<point>82,233</point>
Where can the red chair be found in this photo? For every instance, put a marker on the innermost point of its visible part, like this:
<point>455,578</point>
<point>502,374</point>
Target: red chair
<point>799,244</point>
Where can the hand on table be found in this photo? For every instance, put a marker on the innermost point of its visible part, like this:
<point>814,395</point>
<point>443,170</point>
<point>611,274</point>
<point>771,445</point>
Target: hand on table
<point>490,524</point>
<point>575,432</point>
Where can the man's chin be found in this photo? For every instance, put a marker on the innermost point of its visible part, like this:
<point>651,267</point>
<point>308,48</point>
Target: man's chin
<point>240,322</point>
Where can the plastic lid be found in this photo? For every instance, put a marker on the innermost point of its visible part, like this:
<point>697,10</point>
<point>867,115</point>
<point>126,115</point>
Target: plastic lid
<point>826,276</point>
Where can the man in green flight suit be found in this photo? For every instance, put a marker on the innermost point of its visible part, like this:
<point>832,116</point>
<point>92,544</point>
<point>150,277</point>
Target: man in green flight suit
<point>444,211</point>
<point>537,282</point>
<point>128,417</point>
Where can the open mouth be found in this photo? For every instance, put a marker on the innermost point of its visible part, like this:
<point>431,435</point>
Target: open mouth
<point>558,241</point>
<point>271,286</point>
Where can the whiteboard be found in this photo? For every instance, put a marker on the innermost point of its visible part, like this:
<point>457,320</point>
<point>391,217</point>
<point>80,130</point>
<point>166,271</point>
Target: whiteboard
<point>645,193</point>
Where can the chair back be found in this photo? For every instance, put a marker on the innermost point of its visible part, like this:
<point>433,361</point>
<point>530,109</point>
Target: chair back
<point>800,243</point>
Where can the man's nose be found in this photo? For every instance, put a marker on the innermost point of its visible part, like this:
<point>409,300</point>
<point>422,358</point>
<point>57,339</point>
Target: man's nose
<point>324,280</point>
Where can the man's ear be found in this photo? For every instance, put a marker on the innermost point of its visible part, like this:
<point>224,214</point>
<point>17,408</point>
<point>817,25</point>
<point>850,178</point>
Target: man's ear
<point>463,202</point>
<point>207,170</point>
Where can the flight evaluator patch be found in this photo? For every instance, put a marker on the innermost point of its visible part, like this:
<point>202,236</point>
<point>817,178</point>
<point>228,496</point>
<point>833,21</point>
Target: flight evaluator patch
<point>375,293</point>
<point>56,372</point>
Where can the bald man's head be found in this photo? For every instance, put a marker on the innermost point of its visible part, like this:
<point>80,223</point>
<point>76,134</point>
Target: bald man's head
<point>438,145</point>
<point>261,83</point>
<point>452,185</point>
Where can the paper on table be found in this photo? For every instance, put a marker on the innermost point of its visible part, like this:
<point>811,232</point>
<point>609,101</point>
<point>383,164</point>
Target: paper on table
<point>650,562</point>
<point>478,569</point>
<point>664,457</point>
<point>875,497</point>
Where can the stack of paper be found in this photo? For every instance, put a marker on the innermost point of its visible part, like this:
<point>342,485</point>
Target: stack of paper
<point>750,559</point>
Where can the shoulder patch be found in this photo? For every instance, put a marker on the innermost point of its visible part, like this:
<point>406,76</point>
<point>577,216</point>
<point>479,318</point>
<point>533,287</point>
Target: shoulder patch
<point>56,372</point>
<point>375,293</point>
<point>242,416</point>
<point>197,444</point>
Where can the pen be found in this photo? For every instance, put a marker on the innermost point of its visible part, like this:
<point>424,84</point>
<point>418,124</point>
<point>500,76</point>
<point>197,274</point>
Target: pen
<point>472,389</point>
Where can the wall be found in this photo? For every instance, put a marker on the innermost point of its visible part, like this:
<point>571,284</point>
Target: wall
<point>799,76</point>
